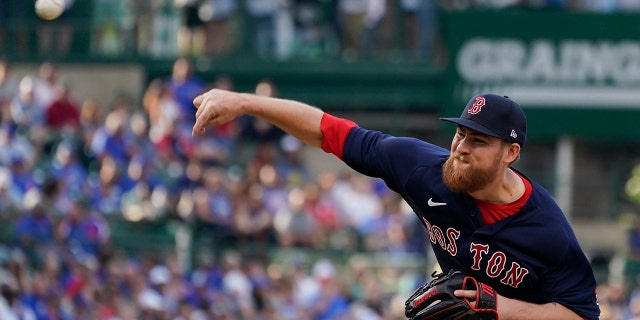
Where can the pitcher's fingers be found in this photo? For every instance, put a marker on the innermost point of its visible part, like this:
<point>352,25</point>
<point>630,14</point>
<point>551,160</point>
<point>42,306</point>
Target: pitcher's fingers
<point>205,118</point>
<point>198,101</point>
<point>202,105</point>
<point>201,120</point>
<point>469,294</point>
<point>196,132</point>
<point>198,127</point>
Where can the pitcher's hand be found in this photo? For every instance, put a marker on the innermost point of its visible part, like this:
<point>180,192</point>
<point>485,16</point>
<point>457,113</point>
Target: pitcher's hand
<point>216,107</point>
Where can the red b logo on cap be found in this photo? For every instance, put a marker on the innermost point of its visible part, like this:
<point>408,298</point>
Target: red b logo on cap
<point>475,108</point>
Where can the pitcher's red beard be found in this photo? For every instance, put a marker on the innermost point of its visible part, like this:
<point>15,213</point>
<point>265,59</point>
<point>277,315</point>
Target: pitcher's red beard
<point>469,179</point>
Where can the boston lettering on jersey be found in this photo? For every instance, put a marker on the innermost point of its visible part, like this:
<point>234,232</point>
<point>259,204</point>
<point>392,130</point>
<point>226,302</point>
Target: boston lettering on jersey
<point>495,265</point>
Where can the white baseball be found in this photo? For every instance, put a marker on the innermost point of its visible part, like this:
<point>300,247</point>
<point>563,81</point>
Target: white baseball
<point>49,9</point>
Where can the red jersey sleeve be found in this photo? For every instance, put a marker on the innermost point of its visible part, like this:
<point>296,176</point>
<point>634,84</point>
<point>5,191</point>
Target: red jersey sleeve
<point>334,131</point>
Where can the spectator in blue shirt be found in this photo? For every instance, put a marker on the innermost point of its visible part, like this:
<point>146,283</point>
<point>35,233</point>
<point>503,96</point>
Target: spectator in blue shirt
<point>185,86</point>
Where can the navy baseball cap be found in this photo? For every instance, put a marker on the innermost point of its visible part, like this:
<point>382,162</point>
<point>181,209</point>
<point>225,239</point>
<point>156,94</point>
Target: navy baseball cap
<point>496,116</point>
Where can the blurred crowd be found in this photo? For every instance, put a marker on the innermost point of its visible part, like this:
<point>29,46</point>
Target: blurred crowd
<point>267,29</point>
<point>69,168</point>
<point>300,29</point>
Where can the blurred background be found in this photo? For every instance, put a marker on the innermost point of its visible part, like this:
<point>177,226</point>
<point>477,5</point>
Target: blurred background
<point>110,209</point>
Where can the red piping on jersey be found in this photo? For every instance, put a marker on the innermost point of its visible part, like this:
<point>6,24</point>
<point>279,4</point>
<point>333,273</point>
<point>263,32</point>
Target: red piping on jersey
<point>335,131</point>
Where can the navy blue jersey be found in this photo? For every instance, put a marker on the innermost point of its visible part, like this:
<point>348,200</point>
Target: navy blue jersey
<point>532,256</point>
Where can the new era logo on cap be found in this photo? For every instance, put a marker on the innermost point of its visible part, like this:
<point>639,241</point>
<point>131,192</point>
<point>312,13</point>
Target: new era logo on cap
<point>496,116</point>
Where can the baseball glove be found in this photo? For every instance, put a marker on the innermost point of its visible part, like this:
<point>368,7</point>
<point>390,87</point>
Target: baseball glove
<point>435,299</point>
